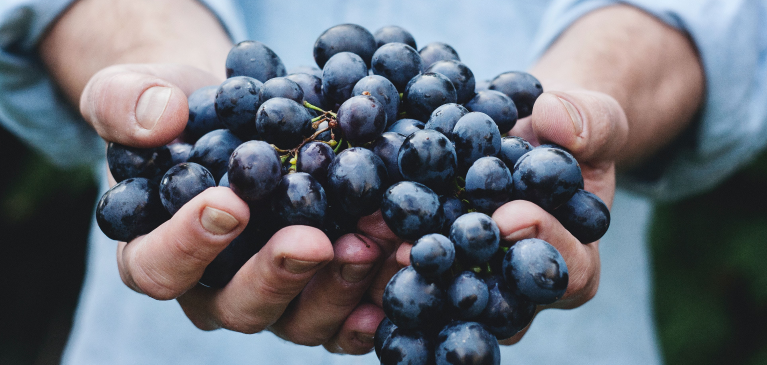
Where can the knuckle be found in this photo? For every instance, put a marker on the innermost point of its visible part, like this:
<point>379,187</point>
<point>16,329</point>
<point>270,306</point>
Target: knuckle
<point>242,322</point>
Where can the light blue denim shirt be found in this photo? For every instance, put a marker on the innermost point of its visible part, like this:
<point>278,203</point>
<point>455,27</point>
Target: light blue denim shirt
<point>114,325</point>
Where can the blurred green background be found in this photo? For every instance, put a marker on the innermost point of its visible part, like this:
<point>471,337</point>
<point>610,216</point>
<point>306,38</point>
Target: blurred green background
<point>709,253</point>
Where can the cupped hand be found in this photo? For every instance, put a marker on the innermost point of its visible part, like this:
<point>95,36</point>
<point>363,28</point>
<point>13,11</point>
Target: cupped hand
<point>299,285</point>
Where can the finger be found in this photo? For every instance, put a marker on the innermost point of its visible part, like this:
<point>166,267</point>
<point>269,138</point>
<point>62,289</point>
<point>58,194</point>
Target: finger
<point>171,259</point>
<point>520,219</point>
<point>141,105</point>
<point>264,287</point>
<point>357,334</point>
<point>374,227</point>
<point>318,313</point>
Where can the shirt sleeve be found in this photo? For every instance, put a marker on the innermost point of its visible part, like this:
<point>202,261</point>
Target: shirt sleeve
<point>31,106</point>
<point>731,128</point>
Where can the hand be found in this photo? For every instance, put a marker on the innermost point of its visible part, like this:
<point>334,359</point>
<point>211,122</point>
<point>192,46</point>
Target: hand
<point>299,286</point>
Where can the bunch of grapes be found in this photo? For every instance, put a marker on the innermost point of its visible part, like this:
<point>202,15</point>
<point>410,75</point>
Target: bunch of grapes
<point>380,126</point>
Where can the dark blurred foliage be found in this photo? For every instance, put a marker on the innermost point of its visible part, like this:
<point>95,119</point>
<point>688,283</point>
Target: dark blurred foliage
<point>710,255</point>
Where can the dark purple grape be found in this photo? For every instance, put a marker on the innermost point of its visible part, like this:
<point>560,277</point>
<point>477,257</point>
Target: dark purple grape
<point>505,313</point>
<point>254,59</point>
<point>466,343</point>
<point>314,158</point>
<point>340,74</point>
<point>405,347</point>
<point>410,301</point>
<point>357,179</point>
<point>585,216</point>
<point>254,171</point>
<point>311,70</point>
<point>383,331</point>
<point>475,136</point>
<point>283,122</point>
<point>452,208</point>
<point>468,295</point>
<point>299,200</point>
<point>344,38</point>
<point>406,126</point>
<point>224,180</point>
<point>488,184</point>
<point>432,255</point>
<point>547,177</point>
<point>327,135</point>
<point>126,162</point>
<point>213,150</point>
<point>182,183</point>
<point>281,87</point>
<point>444,118</point>
<point>361,119</point>
<point>437,51</point>
<point>311,85</point>
<point>387,148</point>
<point>384,91</point>
<point>482,86</point>
<point>428,157</point>
<point>130,209</point>
<point>411,210</point>
<point>338,222</point>
<point>459,74</point>
<point>179,152</point>
<point>226,264</point>
<point>237,101</point>
<point>202,114</point>
<point>512,148</point>
<point>496,105</point>
<point>397,62</point>
<point>521,87</point>
<point>425,93</point>
<point>476,238</point>
<point>535,270</point>
<point>391,34</point>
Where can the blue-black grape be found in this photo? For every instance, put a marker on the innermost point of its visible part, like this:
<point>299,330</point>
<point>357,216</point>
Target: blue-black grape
<point>357,179</point>
<point>213,150</point>
<point>468,295</point>
<point>497,106</point>
<point>428,157</point>
<point>535,270</point>
<point>337,222</point>
<point>521,87</point>
<point>475,136</point>
<point>130,209</point>
<point>393,33</point>
<point>466,343</point>
<point>488,184</point>
<point>384,91</point>
<point>437,51</point>
<point>344,38</point>
<point>340,74</point>
<point>126,162</point>
<point>182,183</point>
<point>453,208</point>
<point>387,148</point>
<point>397,62</point>
<point>425,93</point>
<point>299,200</point>
<point>407,348</point>
<point>444,118</point>
<point>383,331</point>
<point>237,101</point>
<point>314,158</point>
<point>281,87</point>
<point>512,148</point>
<point>224,180</point>
<point>283,122</point>
<point>459,74</point>
<point>311,85</point>
<point>547,177</point>
<point>311,70</point>
<point>202,114</point>
<point>361,119</point>
<point>254,59</point>
<point>411,210</point>
<point>432,255</point>
<point>482,85</point>
<point>476,238</point>
<point>179,152</point>
<point>411,301</point>
<point>405,126</point>
<point>254,171</point>
<point>585,216</point>
<point>505,313</point>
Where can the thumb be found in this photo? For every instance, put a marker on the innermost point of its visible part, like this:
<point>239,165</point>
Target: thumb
<point>589,124</point>
<point>141,105</point>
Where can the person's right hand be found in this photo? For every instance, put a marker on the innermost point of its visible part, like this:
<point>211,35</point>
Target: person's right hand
<point>299,285</point>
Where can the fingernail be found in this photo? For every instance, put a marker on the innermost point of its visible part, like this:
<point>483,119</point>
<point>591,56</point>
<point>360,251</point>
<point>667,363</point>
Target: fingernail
<point>299,266</point>
<point>365,338</point>
<point>218,221</point>
<point>520,234</point>
<point>574,116</point>
<point>151,105</point>
<point>354,273</point>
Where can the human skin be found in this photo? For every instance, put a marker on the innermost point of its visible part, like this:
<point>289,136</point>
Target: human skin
<point>613,98</point>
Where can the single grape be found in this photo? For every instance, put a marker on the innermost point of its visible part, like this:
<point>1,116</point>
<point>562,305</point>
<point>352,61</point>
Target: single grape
<point>237,101</point>
<point>432,255</point>
<point>384,91</point>
<point>311,70</point>
<point>482,85</point>
<point>344,38</point>
<point>387,148</point>
<point>311,85</point>
<point>459,74</point>
<point>585,216</point>
<point>466,343</point>
<point>340,74</point>
<point>314,158</point>
<point>357,179</point>
<point>521,87</point>
<point>126,162</point>
<point>428,157</point>
<point>437,51</point>
<point>547,177</point>
<point>535,270</point>
<point>505,313</point>
<point>410,301</point>
<point>406,126</point>
<point>475,136</point>
<point>488,184</point>
<point>283,122</point>
<point>281,87</point>
<point>425,93</point>
<point>299,200</point>
<point>468,295</point>
<point>130,209</point>
<point>397,62</point>
<point>202,114</point>
<point>361,119</point>
<point>213,150</point>
<point>224,180</point>
<point>405,347</point>
<point>254,59</point>
<point>182,183</point>
<point>476,238</point>
<point>383,331</point>
<point>444,118</point>
<point>391,34</point>
<point>497,106</point>
<point>512,148</point>
<point>452,208</point>
<point>411,210</point>
<point>254,171</point>
<point>179,152</point>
